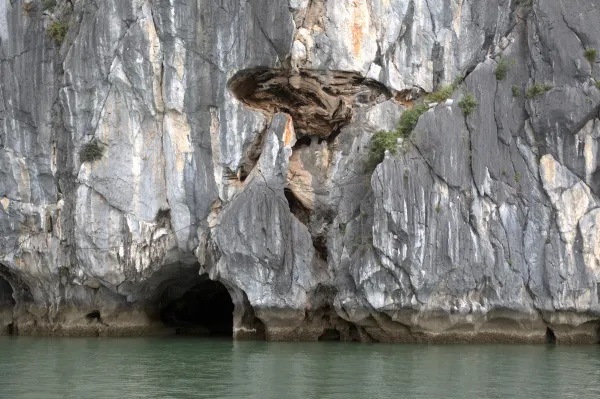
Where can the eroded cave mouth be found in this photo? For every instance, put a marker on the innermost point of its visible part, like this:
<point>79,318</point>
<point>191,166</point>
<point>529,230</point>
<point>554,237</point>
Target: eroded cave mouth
<point>204,309</point>
<point>319,101</point>
<point>550,336</point>
<point>7,303</point>
<point>6,293</point>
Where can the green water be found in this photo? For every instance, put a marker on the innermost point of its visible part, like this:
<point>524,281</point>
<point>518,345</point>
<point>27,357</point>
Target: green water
<point>193,368</point>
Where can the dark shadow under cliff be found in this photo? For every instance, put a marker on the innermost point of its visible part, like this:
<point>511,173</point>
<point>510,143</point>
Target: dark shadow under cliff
<point>204,309</point>
<point>7,303</point>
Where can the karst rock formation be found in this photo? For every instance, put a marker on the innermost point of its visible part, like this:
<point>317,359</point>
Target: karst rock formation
<point>230,142</point>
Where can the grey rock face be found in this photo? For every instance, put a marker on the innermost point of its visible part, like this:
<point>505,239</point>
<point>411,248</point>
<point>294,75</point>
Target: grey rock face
<point>235,139</point>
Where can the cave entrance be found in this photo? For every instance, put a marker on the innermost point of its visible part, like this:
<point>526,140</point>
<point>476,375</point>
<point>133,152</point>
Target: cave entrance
<point>205,309</point>
<point>550,336</point>
<point>7,304</point>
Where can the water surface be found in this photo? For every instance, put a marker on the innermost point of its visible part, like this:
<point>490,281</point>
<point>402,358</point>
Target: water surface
<point>202,368</point>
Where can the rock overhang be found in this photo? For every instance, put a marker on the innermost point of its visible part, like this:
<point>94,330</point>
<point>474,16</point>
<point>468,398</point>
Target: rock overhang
<point>320,102</point>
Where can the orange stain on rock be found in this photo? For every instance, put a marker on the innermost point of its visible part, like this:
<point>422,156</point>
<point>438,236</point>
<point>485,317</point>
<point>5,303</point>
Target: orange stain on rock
<point>357,27</point>
<point>288,135</point>
<point>456,22</point>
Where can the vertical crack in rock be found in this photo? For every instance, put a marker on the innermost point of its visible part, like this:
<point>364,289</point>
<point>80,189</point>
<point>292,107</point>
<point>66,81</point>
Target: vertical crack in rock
<point>251,156</point>
<point>550,336</point>
<point>249,325</point>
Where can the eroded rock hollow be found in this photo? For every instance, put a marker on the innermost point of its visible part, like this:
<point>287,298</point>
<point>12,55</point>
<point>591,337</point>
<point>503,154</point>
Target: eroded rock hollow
<point>320,102</point>
<point>204,309</point>
<point>7,304</point>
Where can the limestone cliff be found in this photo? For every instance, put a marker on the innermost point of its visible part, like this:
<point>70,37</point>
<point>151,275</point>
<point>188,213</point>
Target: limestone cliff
<point>149,145</point>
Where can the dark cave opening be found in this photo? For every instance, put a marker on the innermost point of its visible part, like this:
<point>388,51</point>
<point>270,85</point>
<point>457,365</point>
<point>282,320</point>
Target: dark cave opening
<point>204,309</point>
<point>6,293</point>
<point>94,315</point>
<point>7,303</point>
<point>354,334</point>
<point>330,334</point>
<point>550,336</point>
<point>303,214</point>
<point>296,207</point>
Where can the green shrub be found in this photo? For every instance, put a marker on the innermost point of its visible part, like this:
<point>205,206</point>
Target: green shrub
<point>467,104</point>
<point>445,92</point>
<point>381,142</point>
<point>409,119</point>
<point>591,54</point>
<point>516,91</point>
<point>517,177</point>
<point>598,84</point>
<point>501,69</point>
<point>57,31</point>
<point>91,152</point>
<point>48,5</point>
<point>441,95</point>
<point>536,90</point>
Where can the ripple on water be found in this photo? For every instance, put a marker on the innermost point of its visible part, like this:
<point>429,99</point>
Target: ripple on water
<point>204,368</point>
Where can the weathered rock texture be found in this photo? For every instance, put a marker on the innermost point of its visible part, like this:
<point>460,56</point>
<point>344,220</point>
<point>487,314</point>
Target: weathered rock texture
<point>235,136</point>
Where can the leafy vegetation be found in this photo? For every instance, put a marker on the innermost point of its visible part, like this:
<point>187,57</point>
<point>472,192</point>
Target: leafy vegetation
<point>591,54</point>
<point>467,104</point>
<point>501,69</point>
<point>91,151</point>
<point>409,119</point>
<point>384,140</point>
<point>445,92</point>
<point>537,90</point>
<point>48,5</point>
<point>598,84</point>
<point>517,177</point>
<point>441,95</point>
<point>516,91</point>
<point>381,142</point>
<point>57,31</point>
